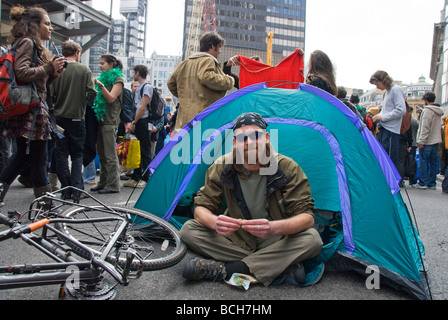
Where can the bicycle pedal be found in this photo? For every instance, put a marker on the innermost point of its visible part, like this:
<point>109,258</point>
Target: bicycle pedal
<point>130,264</point>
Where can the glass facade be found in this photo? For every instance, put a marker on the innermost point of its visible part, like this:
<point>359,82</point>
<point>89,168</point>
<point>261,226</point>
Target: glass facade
<point>245,25</point>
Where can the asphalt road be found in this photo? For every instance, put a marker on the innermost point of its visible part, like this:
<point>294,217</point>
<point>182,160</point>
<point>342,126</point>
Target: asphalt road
<point>430,207</point>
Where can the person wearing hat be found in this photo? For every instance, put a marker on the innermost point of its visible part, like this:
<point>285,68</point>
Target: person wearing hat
<point>266,228</point>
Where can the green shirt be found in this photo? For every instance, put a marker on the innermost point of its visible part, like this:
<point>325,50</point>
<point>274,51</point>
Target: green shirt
<point>72,90</point>
<point>254,192</point>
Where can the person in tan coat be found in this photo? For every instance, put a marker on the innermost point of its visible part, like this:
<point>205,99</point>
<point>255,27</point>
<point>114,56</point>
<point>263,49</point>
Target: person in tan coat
<point>199,80</point>
<point>266,229</point>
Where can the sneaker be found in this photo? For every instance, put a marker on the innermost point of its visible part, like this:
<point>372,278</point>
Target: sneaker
<point>295,274</point>
<point>418,186</point>
<point>134,184</point>
<point>432,188</point>
<point>125,177</point>
<point>91,182</point>
<point>202,269</point>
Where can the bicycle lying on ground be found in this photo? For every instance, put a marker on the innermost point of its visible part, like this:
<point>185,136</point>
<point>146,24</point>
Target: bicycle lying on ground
<point>86,243</point>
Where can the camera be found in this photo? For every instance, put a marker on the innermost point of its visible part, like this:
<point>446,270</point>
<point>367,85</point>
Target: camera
<point>64,66</point>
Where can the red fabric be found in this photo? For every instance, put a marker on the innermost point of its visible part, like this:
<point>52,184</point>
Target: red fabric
<point>289,69</point>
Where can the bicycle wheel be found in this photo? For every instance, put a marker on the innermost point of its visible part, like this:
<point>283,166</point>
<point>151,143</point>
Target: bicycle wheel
<point>155,240</point>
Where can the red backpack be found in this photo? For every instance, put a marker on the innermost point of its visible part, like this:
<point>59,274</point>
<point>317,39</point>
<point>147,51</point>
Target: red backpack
<point>15,98</point>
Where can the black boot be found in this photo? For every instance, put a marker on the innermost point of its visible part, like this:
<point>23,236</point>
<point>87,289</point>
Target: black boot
<point>4,187</point>
<point>41,191</point>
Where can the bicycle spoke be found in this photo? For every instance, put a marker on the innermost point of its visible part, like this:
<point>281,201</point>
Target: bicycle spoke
<point>157,242</point>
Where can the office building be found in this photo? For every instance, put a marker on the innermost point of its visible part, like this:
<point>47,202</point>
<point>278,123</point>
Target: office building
<point>246,24</point>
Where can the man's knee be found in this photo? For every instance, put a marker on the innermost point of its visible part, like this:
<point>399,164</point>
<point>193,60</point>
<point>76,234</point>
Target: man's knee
<point>316,243</point>
<point>311,242</point>
<point>189,231</point>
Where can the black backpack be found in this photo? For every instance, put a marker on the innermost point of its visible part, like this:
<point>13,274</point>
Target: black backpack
<point>127,107</point>
<point>156,106</point>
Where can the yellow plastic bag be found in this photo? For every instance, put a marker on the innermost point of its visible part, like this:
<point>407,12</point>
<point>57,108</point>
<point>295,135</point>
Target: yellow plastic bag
<point>128,152</point>
<point>133,158</point>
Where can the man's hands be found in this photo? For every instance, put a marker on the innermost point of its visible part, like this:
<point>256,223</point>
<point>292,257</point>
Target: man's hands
<point>226,226</point>
<point>261,228</point>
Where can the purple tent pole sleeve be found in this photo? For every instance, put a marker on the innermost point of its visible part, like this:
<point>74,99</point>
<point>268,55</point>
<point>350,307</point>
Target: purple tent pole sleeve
<point>218,104</point>
<point>391,174</point>
<point>344,194</point>
<point>192,168</point>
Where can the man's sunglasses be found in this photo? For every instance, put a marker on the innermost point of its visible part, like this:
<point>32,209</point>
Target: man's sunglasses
<point>253,135</point>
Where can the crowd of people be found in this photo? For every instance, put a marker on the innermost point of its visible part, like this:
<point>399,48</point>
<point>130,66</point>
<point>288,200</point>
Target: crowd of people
<point>403,137</point>
<point>57,143</point>
<point>79,117</point>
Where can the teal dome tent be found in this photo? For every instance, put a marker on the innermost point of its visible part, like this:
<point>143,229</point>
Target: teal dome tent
<point>361,215</point>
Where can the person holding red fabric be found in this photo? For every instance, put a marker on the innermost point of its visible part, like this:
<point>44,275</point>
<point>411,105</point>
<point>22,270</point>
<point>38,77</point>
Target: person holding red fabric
<point>288,74</point>
<point>321,72</point>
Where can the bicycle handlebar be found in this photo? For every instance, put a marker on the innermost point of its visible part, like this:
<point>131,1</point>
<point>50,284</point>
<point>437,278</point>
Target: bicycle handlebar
<point>17,229</point>
<point>6,221</point>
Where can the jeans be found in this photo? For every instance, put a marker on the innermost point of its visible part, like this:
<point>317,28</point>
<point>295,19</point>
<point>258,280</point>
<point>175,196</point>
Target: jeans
<point>72,144</point>
<point>428,165</point>
<point>391,143</point>
<point>89,173</point>
<point>142,133</point>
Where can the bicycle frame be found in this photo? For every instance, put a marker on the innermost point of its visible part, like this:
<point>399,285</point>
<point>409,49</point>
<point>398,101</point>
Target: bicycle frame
<point>59,272</point>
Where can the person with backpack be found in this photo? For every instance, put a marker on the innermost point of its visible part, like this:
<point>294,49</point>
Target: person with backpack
<point>32,130</point>
<point>70,93</point>
<point>141,126</point>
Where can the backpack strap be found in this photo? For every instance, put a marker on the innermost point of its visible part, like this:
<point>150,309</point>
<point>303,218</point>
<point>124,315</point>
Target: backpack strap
<point>148,105</point>
<point>141,90</point>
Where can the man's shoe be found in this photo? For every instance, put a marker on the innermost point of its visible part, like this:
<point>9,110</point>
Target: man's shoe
<point>106,191</point>
<point>125,177</point>
<point>130,183</point>
<point>141,184</point>
<point>295,275</point>
<point>445,192</point>
<point>418,186</point>
<point>202,269</point>
<point>134,184</point>
<point>25,181</point>
<point>97,188</point>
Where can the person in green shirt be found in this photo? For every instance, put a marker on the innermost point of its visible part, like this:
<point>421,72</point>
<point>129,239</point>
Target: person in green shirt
<point>70,93</point>
<point>266,230</point>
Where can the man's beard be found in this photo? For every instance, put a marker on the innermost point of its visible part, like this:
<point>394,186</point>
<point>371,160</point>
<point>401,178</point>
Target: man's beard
<point>251,156</point>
